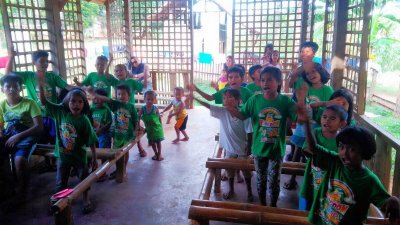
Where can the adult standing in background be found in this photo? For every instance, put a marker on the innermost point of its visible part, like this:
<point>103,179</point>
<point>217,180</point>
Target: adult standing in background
<point>140,72</point>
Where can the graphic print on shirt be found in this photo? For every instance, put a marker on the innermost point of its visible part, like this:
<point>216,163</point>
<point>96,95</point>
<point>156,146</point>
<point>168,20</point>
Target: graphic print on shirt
<point>100,84</point>
<point>96,120</point>
<point>68,136</point>
<point>122,121</point>
<point>269,120</point>
<point>318,175</point>
<point>311,99</point>
<point>338,200</point>
<point>47,91</point>
<point>10,115</point>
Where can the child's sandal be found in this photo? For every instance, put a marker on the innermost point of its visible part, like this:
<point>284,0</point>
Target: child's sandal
<point>142,153</point>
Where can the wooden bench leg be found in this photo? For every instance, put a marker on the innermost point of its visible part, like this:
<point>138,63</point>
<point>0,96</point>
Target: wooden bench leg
<point>217,184</point>
<point>64,217</point>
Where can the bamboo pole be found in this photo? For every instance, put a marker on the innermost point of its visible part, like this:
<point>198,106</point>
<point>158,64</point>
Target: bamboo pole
<point>101,153</point>
<point>207,185</point>
<point>299,165</point>
<point>61,204</point>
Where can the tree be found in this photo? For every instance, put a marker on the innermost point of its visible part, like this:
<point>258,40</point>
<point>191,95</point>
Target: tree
<point>89,13</point>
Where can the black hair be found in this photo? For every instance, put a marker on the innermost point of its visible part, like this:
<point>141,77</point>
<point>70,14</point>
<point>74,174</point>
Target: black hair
<point>233,92</point>
<point>39,54</point>
<point>276,51</point>
<point>77,92</point>
<point>275,73</point>
<point>310,44</point>
<point>102,57</point>
<point>149,92</point>
<point>362,139</point>
<point>101,92</point>
<point>236,69</point>
<point>339,110</point>
<point>349,98</point>
<point>253,69</point>
<point>124,87</point>
<point>179,88</point>
<point>268,46</point>
<point>325,76</point>
<point>11,78</point>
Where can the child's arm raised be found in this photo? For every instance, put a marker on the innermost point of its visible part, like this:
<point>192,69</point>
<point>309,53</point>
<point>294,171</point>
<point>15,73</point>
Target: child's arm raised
<point>235,112</point>
<point>302,116</point>
<point>10,62</point>
<point>77,82</point>
<point>205,104</point>
<point>100,97</point>
<point>107,70</point>
<point>201,93</point>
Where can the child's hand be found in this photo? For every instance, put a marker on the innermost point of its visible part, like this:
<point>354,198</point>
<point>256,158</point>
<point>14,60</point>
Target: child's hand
<point>336,101</point>
<point>13,140</point>
<point>391,208</point>
<point>191,87</point>
<point>75,80</point>
<point>251,156</point>
<point>302,113</point>
<point>111,58</point>
<point>214,85</point>
<point>90,90</point>
<point>301,93</point>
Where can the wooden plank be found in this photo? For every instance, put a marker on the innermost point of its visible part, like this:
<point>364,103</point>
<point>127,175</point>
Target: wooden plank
<point>304,20</point>
<point>128,29</point>
<point>383,161</point>
<point>108,19</point>
<point>6,26</point>
<point>396,176</point>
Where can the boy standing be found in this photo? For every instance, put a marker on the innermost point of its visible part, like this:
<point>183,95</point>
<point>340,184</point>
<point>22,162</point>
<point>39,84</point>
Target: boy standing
<point>20,123</point>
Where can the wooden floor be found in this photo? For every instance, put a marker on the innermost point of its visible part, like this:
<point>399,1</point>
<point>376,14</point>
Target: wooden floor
<point>155,193</point>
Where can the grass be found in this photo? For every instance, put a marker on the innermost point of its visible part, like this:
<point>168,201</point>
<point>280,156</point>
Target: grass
<point>385,118</point>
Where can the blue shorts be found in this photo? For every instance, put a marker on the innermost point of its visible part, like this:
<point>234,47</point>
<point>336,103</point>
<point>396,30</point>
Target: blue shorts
<point>304,205</point>
<point>298,141</point>
<point>49,131</point>
<point>23,147</point>
<point>104,140</point>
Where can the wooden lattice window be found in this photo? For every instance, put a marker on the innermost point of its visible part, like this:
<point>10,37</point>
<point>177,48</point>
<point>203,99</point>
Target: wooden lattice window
<point>117,28</point>
<point>258,22</point>
<point>72,32</point>
<point>327,43</point>
<point>27,25</point>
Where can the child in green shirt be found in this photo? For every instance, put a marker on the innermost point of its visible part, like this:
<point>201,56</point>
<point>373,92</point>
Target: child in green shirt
<point>268,112</point>
<point>102,120</point>
<point>348,187</point>
<point>121,72</point>
<point>75,133</point>
<point>152,121</point>
<point>254,73</point>
<point>20,125</point>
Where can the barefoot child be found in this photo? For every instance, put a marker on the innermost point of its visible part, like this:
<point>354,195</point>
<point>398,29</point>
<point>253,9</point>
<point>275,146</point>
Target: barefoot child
<point>268,112</point>
<point>180,114</point>
<point>232,137</point>
<point>348,187</point>
<point>152,121</point>
<point>75,132</point>
<point>20,125</point>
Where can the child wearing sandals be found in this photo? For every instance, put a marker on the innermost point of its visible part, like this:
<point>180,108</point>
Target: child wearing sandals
<point>150,115</point>
<point>180,114</point>
<point>233,137</point>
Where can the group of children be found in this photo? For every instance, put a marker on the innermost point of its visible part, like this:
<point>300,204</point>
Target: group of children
<point>337,188</point>
<point>73,124</point>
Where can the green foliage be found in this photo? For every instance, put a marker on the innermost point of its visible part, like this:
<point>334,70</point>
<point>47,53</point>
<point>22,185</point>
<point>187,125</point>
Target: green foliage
<point>89,12</point>
<point>385,119</point>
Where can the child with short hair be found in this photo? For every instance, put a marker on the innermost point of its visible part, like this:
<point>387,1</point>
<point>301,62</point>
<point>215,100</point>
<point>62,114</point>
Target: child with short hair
<point>275,60</point>
<point>348,187</point>
<point>20,125</point>
<point>232,137</point>
<point>102,120</point>
<point>268,112</point>
<point>100,79</point>
<point>254,73</point>
<point>333,119</point>
<point>122,73</point>
<point>125,118</point>
<point>75,133</point>
<point>152,120</point>
<point>180,114</point>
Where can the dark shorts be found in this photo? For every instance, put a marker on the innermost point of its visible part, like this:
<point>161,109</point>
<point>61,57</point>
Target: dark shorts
<point>104,140</point>
<point>24,147</point>
<point>64,171</point>
<point>49,131</point>
<point>181,123</point>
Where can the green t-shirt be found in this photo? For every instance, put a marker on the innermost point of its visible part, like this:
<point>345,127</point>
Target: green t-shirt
<point>153,125</point>
<point>104,82</point>
<point>317,95</point>
<point>101,116</point>
<point>24,112</point>
<point>344,195</point>
<point>74,134</point>
<point>125,118</point>
<point>313,175</point>
<point>269,124</point>
<point>254,88</point>
<point>245,94</point>
<point>52,81</point>
<point>135,87</point>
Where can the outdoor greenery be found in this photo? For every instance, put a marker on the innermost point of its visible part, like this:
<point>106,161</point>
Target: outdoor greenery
<point>89,13</point>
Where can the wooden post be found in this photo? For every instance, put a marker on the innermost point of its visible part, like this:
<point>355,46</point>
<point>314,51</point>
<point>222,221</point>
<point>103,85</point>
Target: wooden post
<point>6,25</point>
<point>217,184</point>
<point>64,217</point>
<point>172,81</point>
<point>109,34</point>
<point>128,29</point>
<point>397,110</point>
<point>206,189</point>
<point>372,87</point>
<point>396,176</point>
<point>304,19</point>
<point>191,74</point>
<point>382,161</point>
<point>339,43</point>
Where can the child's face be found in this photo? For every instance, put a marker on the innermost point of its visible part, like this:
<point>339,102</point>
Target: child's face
<point>234,80</point>
<point>314,77</point>
<point>150,99</point>
<point>42,64</point>
<point>224,73</point>
<point>122,95</point>
<point>101,65</point>
<point>135,61</point>
<point>97,103</point>
<point>275,56</point>
<point>269,84</point>
<point>256,76</point>
<point>349,155</point>
<point>331,122</point>
<point>76,105</point>
<point>11,89</point>
<point>342,102</point>
<point>178,94</point>
<point>229,62</point>
<point>229,100</point>
<point>306,54</point>
<point>120,73</point>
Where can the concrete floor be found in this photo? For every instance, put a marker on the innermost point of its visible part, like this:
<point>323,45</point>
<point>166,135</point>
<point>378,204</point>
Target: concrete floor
<point>155,193</point>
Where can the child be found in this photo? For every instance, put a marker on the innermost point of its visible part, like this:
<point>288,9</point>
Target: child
<point>75,132</point>
<point>125,118</point>
<point>254,73</point>
<point>275,60</point>
<point>50,82</point>
<point>333,119</point>
<point>152,120</point>
<point>101,120</point>
<point>348,187</point>
<point>232,137</point>
<point>180,114</point>
<point>268,113</point>
<point>222,81</point>
<point>20,125</point>
<point>101,78</point>
<point>268,50</point>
